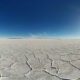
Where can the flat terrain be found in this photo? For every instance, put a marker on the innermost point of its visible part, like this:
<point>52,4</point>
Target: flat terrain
<point>39,59</point>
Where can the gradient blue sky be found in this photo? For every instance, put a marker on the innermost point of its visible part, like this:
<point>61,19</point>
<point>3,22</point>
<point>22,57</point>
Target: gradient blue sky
<point>39,17</point>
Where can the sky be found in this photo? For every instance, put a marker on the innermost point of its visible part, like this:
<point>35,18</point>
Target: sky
<point>39,18</point>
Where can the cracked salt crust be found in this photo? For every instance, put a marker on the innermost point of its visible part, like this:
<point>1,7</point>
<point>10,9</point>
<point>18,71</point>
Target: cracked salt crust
<point>39,59</point>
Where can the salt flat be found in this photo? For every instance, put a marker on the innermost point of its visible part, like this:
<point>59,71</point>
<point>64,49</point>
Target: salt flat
<point>39,59</point>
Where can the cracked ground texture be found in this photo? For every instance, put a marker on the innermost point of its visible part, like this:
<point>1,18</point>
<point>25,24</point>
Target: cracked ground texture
<point>39,59</point>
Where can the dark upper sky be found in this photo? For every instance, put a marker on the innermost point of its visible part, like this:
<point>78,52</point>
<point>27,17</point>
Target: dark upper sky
<point>39,17</point>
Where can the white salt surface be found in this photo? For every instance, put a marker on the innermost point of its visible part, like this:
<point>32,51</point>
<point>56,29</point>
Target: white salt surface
<point>39,59</point>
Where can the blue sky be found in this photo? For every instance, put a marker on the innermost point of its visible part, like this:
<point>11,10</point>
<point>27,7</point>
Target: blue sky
<point>39,17</point>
